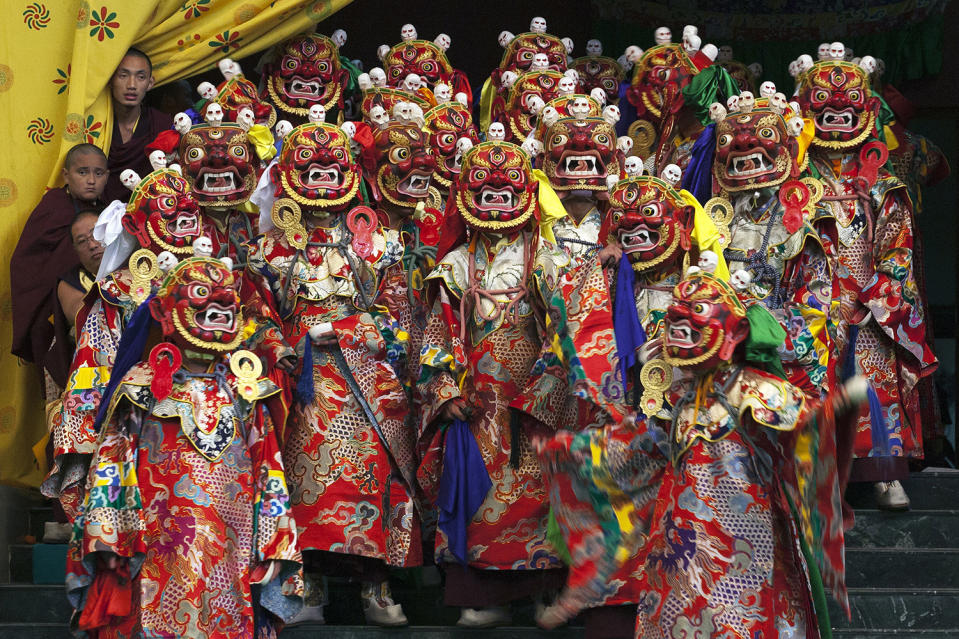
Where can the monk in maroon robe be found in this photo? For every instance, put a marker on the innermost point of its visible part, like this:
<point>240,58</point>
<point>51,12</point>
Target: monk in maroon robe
<point>134,124</point>
<point>45,252</point>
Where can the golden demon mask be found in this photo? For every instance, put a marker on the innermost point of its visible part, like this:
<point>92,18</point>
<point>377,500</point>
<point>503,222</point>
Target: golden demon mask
<point>237,93</point>
<point>599,72</point>
<point>162,214</point>
<point>316,168</point>
<point>580,153</point>
<point>422,57</point>
<point>658,81</point>
<point>404,164</point>
<point>651,222</point>
<point>198,306</point>
<point>704,323</point>
<point>754,150</point>
<point>219,163</point>
<point>306,71</point>
<point>836,95</point>
<point>446,124</point>
<point>495,190</point>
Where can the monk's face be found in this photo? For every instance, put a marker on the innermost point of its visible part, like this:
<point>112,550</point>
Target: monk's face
<point>131,81</point>
<point>89,249</point>
<point>86,176</point>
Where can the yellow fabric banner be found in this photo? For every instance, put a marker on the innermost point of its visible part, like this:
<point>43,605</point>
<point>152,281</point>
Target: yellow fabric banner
<point>56,59</point>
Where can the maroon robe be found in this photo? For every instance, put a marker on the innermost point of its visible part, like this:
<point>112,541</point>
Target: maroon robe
<point>44,253</point>
<point>132,154</point>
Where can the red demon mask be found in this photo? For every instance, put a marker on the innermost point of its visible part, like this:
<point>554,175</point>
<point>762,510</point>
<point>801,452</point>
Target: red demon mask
<point>421,57</point>
<point>446,124</point>
<point>837,97</point>
<point>404,164</point>
<point>220,165</point>
<point>306,71</point>
<point>495,190</point>
<point>704,323</point>
<point>238,92</point>
<point>651,222</point>
<point>580,153</point>
<point>162,214</point>
<point>599,72</point>
<point>753,150</point>
<point>316,169</point>
<point>658,81</point>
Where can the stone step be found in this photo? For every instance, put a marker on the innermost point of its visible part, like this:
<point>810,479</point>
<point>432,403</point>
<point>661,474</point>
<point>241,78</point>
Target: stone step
<point>34,630</point>
<point>920,529</point>
<point>21,563</point>
<point>928,490</point>
<point>902,567</point>
<point>27,603</point>
<point>887,609</point>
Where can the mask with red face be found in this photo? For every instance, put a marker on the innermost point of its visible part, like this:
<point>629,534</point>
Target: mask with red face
<point>404,164</point>
<point>421,57</point>
<point>495,190</point>
<point>836,95</point>
<point>754,150</point>
<point>519,117</point>
<point>198,306</point>
<point>658,81</point>
<point>704,323</point>
<point>316,168</point>
<point>162,214</point>
<point>446,124</point>
<point>599,72</point>
<point>520,52</point>
<point>651,222</point>
<point>305,70</point>
<point>580,153</point>
<point>219,164</point>
<point>237,93</point>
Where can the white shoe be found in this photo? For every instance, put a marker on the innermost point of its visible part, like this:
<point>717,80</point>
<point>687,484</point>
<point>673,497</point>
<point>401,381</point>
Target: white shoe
<point>890,495</point>
<point>378,606</point>
<point>308,614</point>
<point>56,533</point>
<point>485,617</point>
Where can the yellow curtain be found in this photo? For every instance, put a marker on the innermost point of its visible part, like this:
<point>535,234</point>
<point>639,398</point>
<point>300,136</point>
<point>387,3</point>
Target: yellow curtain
<point>56,58</point>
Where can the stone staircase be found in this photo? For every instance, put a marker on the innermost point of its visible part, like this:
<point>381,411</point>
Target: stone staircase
<point>902,572</point>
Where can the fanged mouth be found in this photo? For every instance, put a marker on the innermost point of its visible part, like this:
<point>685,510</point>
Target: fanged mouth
<point>321,177</point>
<point>748,165</point>
<point>300,88</point>
<point>843,121</point>
<point>220,183</point>
<point>455,163</point>
<point>576,166</point>
<point>682,335</point>
<point>185,225</point>
<point>638,238</point>
<point>416,185</point>
<point>495,200</point>
<point>216,318</point>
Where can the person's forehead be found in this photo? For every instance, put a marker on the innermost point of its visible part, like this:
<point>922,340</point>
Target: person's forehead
<point>133,64</point>
<point>88,159</point>
<point>83,224</point>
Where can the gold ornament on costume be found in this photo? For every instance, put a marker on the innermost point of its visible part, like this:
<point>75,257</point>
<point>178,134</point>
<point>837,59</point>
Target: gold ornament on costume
<point>247,368</point>
<point>286,216</point>
<point>143,270</point>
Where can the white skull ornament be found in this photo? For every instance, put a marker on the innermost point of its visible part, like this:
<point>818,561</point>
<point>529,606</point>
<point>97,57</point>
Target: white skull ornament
<point>794,126</point>
<point>443,41</point>
<point>569,45</point>
<point>767,89</point>
<point>364,82</point>
<point>741,280</point>
<point>805,62</point>
<point>378,77</point>
<point>182,123</point>
<point>837,51</point>
<point>339,38</point>
<point>207,91</point>
<point>580,107</point>
<point>537,25</point>
<point>633,166</point>
<point>672,174</point>
<point>663,35</point>
<point>382,51</point>
<point>245,118</point>
<point>599,95</point>
<point>504,38</point>
<point>379,116</point>
<point>793,68</point>
<point>708,261</point>
<point>412,82</point>
<point>540,62</point>
<point>317,113</point>
<point>282,128</point>
<point>203,247</point>
<point>532,146</point>
<point>692,43</point>
<point>633,53</point>
<point>566,86</point>
<point>508,78</point>
<point>717,112</point>
<point>166,261</point>
<point>157,159</point>
<point>549,116</point>
<point>408,32</point>
<point>535,104</point>
<point>594,47</point>
<point>778,103</point>
<point>443,93</point>
<point>496,132</point>
<point>746,101</point>
<point>625,144</point>
<point>868,64</point>
<point>822,52</point>
<point>732,103</point>
<point>213,114</point>
<point>611,114</point>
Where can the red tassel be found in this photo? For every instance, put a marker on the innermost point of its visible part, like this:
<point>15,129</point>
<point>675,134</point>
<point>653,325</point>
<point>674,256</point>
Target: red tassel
<point>165,360</point>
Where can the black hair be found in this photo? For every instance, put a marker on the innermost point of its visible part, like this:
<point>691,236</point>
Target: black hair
<point>139,54</point>
<point>81,149</point>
